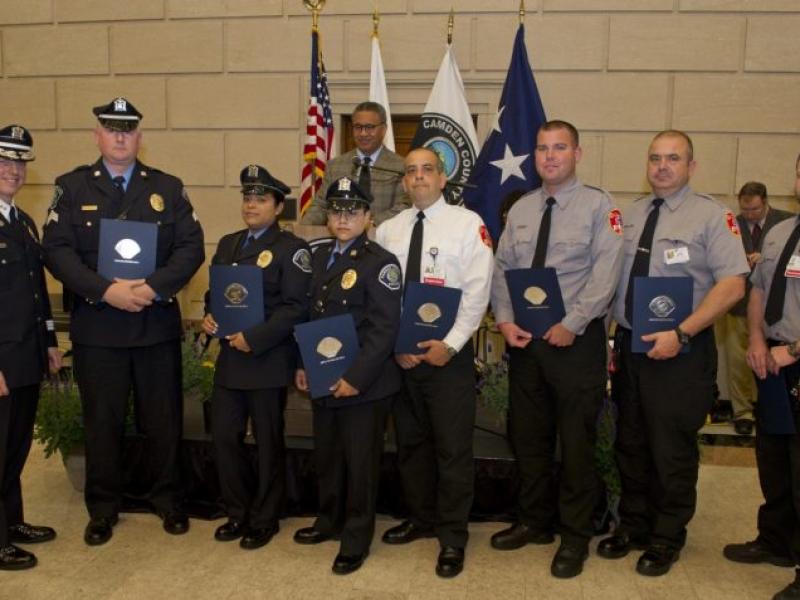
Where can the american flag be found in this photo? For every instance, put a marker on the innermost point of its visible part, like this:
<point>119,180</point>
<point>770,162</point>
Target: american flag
<point>319,128</point>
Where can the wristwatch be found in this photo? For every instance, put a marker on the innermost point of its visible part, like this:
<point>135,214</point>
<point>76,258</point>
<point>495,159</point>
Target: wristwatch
<point>793,349</point>
<point>450,350</point>
<point>683,337</point>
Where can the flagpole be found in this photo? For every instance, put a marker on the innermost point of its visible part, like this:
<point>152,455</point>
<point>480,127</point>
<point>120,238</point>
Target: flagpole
<point>315,7</point>
<point>376,18</point>
<point>521,12</point>
<point>450,21</point>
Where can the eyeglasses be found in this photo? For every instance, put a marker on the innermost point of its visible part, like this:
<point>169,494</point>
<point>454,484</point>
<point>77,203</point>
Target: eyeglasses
<point>366,128</point>
<point>346,214</point>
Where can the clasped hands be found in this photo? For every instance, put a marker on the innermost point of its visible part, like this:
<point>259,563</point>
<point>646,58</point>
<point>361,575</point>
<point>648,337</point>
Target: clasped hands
<point>237,340</point>
<point>132,295</point>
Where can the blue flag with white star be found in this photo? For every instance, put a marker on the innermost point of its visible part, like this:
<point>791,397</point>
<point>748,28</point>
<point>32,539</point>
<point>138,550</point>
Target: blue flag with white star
<point>506,161</point>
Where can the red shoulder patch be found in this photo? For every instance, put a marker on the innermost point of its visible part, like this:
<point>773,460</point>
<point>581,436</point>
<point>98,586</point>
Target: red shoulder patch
<point>485,237</point>
<point>730,221</point>
<point>615,220</point>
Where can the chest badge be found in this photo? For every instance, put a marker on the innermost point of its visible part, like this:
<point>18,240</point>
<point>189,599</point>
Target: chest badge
<point>349,279</point>
<point>157,202</point>
<point>264,259</point>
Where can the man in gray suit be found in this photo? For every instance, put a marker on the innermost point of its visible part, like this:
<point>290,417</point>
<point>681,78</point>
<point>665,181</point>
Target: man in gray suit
<point>756,217</point>
<point>377,169</point>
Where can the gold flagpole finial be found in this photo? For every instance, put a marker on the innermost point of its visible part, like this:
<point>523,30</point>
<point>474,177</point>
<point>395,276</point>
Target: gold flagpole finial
<point>522,11</point>
<point>450,21</point>
<point>315,7</point>
<point>376,18</point>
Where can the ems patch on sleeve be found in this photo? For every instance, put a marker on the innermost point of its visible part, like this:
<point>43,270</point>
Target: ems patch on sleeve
<point>390,277</point>
<point>302,260</point>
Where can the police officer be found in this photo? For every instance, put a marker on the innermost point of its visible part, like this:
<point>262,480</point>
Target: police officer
<point>27,346</point>
<point>663,396</point>
<point>125,333</point>
<point>353,275</point>
<point>557,383</point>
<point>255,366</point>
<point>773,316</point>
<point>438,244</point>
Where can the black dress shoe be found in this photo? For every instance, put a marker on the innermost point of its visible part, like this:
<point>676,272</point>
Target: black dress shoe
<point>568,561</point>
<point>518,535</point>
<point>756,552</point>
<point>309,535</point>
<point>743,426</point>
<point>345,564</point>
<point>227,532</point>
<point>99,530</point>
<point>256,537</point>
<point>406,532</point>
<point>619,544</point>
<point>24,533</point>
<point>16,559</point>
<point>175,522</point>
<point>657,560</point>
<point>451,561</point>
<point>791,591</point>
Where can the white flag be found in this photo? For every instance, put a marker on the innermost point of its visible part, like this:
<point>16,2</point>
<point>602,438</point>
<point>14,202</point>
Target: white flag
<point>377,90</point>
<point>446,125</point>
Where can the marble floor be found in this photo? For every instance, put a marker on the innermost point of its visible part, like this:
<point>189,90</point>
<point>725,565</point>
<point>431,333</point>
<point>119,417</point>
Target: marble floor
<point>141,561</point>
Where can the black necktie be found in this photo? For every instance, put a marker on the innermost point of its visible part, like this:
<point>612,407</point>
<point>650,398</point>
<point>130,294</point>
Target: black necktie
<point>755,235</point>
<point>544,235</point>
<point>119,184</point>
<point>334,257</point>
<point>641,262</point>
<point>415,250</point>
<point>364,177</point>
<point>777,291</point>
<point>12,217</point>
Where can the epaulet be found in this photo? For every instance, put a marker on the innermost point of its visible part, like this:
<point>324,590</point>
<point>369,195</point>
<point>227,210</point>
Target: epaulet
<point>641,197</point>
<point>708,197</point>
<point>81,168</point>
<point>594,187</point>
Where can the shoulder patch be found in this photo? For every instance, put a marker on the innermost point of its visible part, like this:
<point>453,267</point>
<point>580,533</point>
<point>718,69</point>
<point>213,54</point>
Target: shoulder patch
<point>615,220</point>
<point>390,277</point>
<point>485,237</point>
<point>302,260</point>
<point>730,221</point>
<point>58,192</point>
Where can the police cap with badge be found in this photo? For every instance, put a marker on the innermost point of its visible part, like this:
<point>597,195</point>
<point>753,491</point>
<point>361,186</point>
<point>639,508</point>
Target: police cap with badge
<point>257,181</point>
<point>118,115</point>
<point>16,143</point>
<point>344,194</point>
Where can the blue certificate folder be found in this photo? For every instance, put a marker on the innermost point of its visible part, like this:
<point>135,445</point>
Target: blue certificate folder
<point>236,297</point>
<point>127,249</point>
<point>659,304</point>
<point>775,415</point>
<point>328,347</point>
<point>429,312</point>
<point>536,299</point>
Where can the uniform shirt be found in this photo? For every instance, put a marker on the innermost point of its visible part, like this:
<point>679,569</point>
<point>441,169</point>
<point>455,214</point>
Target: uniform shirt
<point>788,328</point>
<point>584,247</point>
<point>695,237</point>
<point>456,251</point>
<point>6,208</point>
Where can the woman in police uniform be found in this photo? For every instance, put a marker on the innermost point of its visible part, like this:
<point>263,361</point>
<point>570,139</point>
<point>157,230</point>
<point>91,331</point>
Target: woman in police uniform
<point>255,366</point>
<point>357,276</point>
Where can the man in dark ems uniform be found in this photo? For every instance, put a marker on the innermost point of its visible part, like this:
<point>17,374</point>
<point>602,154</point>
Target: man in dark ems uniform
<point>255,366</point>
<point>27,346</point>
<point>664,396</point>
<point>557,383</point>
<point>357,276</point>
<point>773,318</point>
<point>125,333</point>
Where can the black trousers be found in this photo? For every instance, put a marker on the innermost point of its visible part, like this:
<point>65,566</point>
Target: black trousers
<point>778,459</point>
<point>17,414</point>
<point>106,377</point>
<point>662,405</point>
<point>253,494</point>
<point>434,417</point>
<point>557,393</point>
<point>348,443</point>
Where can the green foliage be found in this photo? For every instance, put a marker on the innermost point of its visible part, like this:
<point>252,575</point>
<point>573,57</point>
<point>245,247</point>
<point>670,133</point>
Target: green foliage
<point>59,422</point>
<point>198,367</point>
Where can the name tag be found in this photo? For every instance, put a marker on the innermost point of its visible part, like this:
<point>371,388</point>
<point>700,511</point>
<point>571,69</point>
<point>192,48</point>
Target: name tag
<point>676,256</point>
<point>793,267</point>
<point>88,207</point>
